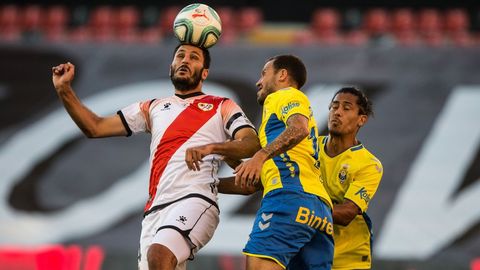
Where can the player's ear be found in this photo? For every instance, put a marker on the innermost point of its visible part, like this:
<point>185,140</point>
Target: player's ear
<point>283,75</point>
<point>204,74</point>
<point>363,120</point>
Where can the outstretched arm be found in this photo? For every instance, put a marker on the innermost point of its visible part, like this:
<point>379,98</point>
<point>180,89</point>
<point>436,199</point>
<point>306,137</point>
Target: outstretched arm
<point>248,173</point>
<point>91,124</point>
<point>227,186</point>
<point>244,145</point>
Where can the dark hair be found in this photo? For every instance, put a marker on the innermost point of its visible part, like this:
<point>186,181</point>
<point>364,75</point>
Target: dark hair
<point>364,104</point>
<point>294,66</point>
<point>206,54</point>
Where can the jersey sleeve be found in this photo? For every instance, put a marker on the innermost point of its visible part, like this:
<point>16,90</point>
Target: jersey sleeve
<point>365,184</point>
<point>233,118</point>
<point>292,103</point>
<point>136,117</point>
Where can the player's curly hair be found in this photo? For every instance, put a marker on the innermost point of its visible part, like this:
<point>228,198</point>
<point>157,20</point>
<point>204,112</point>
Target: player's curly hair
<point>364,104</point>
<point>295,67</point>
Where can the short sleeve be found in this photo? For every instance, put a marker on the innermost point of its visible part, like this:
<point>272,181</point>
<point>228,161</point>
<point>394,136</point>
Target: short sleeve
<point>292,103</point>
<point>365,184</point>
<point>233,118</point>
<point>136,117</point>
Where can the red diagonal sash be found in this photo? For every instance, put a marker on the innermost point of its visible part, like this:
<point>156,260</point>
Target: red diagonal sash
<point>180,130</point>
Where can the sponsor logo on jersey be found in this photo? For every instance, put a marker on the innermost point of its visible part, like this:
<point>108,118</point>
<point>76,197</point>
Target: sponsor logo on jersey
<point>343,174</point>
<point>166,106</point>
<point>308,217</point>
<point>289,106</point>
<point>205,106</point>
<point>363,194</point>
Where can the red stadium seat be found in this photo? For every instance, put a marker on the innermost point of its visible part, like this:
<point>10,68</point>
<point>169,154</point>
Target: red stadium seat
<point>461,39</point>
<point>433,39</point>
<point>10,23</point>
<point>79,34</point>
<point>101,24</point>
<point>304,37</point>
<point>456,20</point>
<point>32,18</point>
<point>376,22</point>
<point>403,20</point>
<point>325,26</point>
<point>403,27</point>
<point>356,38</point>
<point>430,27</point>
<point>55,23</point>
<point>430,20</point>
<point>407,38</point>
<point>229,30</point>
<point>167,16</point>
<point>150,35</point>
<point>249,19</point>
<point>126,24</point>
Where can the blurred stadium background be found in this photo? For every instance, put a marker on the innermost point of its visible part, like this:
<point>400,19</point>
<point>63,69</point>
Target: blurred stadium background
<point>71,203</point>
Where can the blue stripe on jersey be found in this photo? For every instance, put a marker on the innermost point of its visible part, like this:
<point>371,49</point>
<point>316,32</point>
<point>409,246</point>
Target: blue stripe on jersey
<point>370,229</point>
<point>289,170</point>
<point>355,148</point>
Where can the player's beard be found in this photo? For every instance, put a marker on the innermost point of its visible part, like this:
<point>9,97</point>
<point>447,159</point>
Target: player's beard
<point>267,89</point>
<point>186,84</point>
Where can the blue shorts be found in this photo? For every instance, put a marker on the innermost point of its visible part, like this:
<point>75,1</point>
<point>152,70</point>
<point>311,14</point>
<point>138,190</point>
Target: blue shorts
<point>294,229</point>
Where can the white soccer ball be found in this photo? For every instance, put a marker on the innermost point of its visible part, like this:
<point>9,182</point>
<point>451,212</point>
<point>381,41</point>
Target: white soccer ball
<point>199,25</point>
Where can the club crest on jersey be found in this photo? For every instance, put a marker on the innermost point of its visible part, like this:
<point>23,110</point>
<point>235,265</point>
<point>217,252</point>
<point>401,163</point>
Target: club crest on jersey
<point>205,106</point>
<point>343,174</point>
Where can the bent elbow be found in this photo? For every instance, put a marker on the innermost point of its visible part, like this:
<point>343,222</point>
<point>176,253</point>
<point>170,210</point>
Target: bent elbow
<point>90,133</point>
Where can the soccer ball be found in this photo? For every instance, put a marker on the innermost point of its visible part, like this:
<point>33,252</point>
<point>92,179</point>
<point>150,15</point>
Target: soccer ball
<point>199,25</point>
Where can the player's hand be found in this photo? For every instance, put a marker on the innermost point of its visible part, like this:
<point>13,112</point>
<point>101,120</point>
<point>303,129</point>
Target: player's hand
<point>194,156</point>
<point>248,173</point>
<point>62,76</point>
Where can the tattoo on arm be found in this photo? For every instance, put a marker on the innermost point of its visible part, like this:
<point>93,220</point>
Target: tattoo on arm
<point>296,131</point>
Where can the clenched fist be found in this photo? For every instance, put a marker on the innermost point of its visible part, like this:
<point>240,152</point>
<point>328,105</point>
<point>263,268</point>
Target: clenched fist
<point>62,76</point>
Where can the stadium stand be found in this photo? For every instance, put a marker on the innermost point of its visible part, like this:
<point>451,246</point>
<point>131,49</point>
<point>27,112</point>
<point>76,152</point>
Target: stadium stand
<point>327,26</point>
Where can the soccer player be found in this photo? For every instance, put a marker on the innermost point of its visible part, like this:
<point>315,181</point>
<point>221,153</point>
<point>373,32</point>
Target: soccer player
<point>293,228</point>
<point>181,213</point>
<point>351,175</point>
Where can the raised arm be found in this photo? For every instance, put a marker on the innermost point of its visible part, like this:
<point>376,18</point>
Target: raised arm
<point>248,173</point>
<point>92,125</point>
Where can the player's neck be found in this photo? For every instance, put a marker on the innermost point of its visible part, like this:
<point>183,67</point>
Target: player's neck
<point>338,144</point>
<point>188,93</point>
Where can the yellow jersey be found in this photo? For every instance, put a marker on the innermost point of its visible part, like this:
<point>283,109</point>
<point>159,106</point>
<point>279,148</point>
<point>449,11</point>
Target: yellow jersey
<point>298,168</point>
<point>355,175</point>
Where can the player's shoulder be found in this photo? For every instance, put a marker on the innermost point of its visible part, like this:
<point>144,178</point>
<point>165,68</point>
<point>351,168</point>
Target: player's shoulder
<point>365,156</point>
<point>290,92</point>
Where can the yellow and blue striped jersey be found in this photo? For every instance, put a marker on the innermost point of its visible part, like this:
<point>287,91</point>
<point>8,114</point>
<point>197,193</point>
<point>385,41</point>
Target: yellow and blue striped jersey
<point>354,175</point>
<point>298,168</point>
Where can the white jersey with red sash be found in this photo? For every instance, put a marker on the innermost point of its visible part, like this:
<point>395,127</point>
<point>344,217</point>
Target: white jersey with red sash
<point>175,125</point>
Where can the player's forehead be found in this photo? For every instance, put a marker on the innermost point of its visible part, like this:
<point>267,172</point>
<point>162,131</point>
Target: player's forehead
<point>268,66</point>
<point>345,98</point>
<point>189,49</point>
